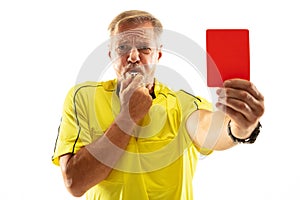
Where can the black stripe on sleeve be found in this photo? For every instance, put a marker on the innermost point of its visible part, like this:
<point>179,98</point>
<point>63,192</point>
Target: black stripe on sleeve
<point>75,110</point>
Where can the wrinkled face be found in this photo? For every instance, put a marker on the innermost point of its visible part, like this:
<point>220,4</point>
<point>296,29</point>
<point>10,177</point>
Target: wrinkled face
<point>135,49</point>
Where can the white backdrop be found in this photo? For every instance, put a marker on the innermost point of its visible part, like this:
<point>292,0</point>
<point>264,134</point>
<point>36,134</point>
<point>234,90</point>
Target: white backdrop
<point>44,43</point>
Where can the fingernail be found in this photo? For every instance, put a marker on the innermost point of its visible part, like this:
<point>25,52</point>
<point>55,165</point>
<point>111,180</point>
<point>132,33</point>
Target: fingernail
<point>218,91</point>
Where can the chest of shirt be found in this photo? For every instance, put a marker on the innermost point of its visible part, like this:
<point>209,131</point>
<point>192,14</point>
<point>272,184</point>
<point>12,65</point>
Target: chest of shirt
<point>160,124</point>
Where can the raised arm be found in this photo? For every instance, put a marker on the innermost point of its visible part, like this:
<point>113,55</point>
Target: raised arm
<point>240,103</point>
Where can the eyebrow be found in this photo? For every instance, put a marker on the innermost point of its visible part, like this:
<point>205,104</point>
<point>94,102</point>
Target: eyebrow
<point>137,40</point>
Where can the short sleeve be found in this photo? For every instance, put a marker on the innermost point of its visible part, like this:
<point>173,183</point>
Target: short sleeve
<point>189,104</point>
<point>73,132</point>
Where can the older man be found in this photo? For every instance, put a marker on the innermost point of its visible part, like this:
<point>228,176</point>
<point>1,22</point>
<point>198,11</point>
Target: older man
<point>133,137</point>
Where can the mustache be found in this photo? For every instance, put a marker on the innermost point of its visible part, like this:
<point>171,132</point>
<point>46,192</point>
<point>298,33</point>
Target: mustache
<point>131,66</point>
<point>133,69</point>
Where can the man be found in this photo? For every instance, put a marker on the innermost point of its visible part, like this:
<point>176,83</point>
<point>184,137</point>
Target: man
<point>133,137</point>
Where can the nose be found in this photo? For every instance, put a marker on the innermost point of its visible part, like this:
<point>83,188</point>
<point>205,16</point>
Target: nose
<point>134,55</point>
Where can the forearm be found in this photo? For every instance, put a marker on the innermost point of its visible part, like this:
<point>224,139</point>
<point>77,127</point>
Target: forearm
<point>218,132</point>
<point>94,162</point>
<point>217,137</point>
<point>210,130</point>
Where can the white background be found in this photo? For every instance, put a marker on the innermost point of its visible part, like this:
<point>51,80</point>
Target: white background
<point>44,43</point>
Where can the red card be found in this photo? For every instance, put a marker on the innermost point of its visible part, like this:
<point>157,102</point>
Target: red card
<point>228,55</point>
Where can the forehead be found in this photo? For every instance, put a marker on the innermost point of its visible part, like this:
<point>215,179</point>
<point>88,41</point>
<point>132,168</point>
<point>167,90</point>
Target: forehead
<point>129,32</point>
<point>124,27</point>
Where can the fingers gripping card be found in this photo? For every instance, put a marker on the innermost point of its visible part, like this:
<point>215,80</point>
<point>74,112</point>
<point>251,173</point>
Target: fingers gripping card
<point>228,55</point>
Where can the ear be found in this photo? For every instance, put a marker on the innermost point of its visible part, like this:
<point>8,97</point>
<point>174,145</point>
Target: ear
<point>159,55</point>
<point>159,52</point>
<point>109,54</point>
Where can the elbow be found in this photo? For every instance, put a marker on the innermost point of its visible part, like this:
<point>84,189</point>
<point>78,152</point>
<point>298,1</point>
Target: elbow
<point>72,183</point>
<point>74,188</point>
<point>78,188</point>
<point>77,178</point>
<point>77,185</point>
<point>76,193</point>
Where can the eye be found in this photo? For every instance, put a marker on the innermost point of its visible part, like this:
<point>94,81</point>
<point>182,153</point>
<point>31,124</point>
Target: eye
<point>123,48</point>
<point>145,49</point>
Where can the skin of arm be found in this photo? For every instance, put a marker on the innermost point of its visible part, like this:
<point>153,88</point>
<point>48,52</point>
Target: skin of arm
<point>83,170</point>
<point>240,102</point>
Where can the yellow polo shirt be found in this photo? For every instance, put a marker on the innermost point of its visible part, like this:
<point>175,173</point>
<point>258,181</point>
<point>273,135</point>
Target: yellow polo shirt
<point>158,165</point>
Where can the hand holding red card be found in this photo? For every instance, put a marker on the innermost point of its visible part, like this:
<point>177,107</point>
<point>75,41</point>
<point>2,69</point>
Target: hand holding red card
<point>228,55</point>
